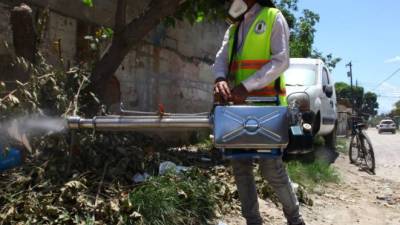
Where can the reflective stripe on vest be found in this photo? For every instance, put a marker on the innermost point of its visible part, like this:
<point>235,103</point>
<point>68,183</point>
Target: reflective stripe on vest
<point>255,53</point>
<point>248,64</point>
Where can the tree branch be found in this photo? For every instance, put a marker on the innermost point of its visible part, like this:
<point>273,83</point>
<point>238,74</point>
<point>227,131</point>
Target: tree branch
<point>158,9</point>
<point>125,40</point>
<point>120,15</point>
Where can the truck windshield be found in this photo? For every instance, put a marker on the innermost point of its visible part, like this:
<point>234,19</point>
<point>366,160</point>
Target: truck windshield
<point>300,75</point>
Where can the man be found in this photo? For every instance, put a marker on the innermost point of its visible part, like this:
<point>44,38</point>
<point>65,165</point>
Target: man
<point>253,56</point>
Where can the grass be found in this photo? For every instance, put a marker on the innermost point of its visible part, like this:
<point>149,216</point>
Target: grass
<point>319,141</point>
<point>175,199</point>
<point>311,174</point>
<point>341,145</point>
<point>204,144</point>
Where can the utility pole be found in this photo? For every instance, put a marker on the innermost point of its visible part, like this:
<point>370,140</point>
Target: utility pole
<point>350,74</point>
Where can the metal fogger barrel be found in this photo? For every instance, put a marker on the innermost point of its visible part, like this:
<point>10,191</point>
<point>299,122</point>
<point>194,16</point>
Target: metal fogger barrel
<point>139,123</point>
<point>250,127</point>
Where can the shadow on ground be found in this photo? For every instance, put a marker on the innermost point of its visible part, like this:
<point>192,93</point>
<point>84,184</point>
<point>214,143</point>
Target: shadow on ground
<point>320,153</point>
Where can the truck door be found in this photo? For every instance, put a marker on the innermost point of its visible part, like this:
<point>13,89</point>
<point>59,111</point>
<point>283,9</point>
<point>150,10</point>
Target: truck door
<point>328,100</point>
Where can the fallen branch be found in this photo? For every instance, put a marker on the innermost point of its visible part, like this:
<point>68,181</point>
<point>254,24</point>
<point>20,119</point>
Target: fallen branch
<point>23,85</point>
<point>99,190</point>
<point>76,98</point>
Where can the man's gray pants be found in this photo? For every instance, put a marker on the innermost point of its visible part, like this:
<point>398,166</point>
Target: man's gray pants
<point>275,173</point>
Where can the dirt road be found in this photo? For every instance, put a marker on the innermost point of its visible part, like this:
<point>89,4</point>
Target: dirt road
<point>359,198</point>
<point>387,154</point>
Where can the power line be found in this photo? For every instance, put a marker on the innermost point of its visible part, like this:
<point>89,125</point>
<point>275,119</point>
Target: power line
<point>387,96</point>
<point>391,75</point>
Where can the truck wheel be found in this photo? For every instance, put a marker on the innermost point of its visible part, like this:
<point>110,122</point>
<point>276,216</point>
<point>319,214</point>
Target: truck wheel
<point>330,139</point>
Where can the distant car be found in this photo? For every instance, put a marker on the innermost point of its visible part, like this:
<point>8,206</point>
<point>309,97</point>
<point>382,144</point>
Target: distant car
<point>387,126</point>
<point>309,82</point>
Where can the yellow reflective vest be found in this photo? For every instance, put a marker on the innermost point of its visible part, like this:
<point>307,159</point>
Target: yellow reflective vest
<point>255,53</point>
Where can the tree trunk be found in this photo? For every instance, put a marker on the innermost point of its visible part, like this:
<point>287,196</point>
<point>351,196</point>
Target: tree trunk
<point>126,38</point>
<point>100,14</point>
<point>24,34</point>
<point>106,67</point>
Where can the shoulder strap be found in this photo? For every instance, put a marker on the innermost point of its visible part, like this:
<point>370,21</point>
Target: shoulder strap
<point>278,85</point>
<point>234,51</point>
<point>278,89</point>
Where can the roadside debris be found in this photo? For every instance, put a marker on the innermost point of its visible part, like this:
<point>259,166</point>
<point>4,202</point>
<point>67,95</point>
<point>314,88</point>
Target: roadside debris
<point>389,199</point>
<point>10,158</point>
<point>140,177</point>
<point>169,166</point>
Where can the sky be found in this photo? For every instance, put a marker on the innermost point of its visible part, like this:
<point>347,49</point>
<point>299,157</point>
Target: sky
<point>366,33</point>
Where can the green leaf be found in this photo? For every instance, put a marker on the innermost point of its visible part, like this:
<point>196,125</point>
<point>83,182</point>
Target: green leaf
<point>88,3</point>
<point>200,17</point>
<point>108,32</point>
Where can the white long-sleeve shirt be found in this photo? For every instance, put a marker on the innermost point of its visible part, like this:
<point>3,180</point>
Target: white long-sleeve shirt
<point>279,52</point>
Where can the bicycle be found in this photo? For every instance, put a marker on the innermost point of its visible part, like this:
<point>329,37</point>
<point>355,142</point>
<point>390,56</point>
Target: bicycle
<point>360,149</point>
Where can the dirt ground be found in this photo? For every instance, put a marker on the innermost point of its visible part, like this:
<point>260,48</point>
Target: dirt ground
<point>359,198</point>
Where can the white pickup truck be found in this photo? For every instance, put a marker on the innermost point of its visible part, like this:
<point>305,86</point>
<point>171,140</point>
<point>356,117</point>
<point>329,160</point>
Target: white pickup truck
<point>309,82</point>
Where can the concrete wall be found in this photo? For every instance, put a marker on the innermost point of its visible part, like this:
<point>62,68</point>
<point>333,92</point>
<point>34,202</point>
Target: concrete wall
<point>6,53</point>
<point>5,30</point>
<point>171,66</point>
<point>60,29</point>
<point>102,13</point>
<point>60,40</point>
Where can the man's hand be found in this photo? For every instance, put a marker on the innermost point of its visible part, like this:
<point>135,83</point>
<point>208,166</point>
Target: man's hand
<point>221,88</point>
<point>239,94</point>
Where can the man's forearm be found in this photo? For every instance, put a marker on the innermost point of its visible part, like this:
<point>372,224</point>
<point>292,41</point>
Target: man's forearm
<point>279,59</point>
<point>267,74</point>
<point>220,67</point>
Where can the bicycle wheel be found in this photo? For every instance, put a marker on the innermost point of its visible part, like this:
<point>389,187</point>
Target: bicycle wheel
<point>369,155</point>
<point>354,148</point>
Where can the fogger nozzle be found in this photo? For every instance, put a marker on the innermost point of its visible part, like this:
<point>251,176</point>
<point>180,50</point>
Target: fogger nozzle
<point>132,123</point>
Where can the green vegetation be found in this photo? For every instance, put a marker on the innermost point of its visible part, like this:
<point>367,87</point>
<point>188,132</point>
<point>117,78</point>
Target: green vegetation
<point>311,174</point>
<point>176,199</point>
<point>396,111</point>
<point>341,145</point>
<point>205,144</point>
<point>88,3</point>
<point>91,182</point>
<point>318,141</point>
<point>367,102</point>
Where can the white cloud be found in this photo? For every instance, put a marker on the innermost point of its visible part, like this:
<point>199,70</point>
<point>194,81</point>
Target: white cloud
<point>393,60</point>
